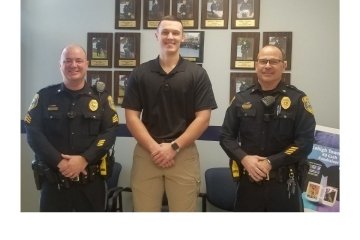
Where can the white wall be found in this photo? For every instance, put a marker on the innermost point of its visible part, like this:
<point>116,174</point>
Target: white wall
<point>47,26</point>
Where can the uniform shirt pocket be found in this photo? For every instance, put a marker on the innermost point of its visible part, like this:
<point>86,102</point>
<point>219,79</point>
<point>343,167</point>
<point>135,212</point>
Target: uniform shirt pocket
<point>93,122</point>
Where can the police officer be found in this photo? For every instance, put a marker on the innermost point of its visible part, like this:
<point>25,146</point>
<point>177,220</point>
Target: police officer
<point>268,132</point>
<point>70,127</point>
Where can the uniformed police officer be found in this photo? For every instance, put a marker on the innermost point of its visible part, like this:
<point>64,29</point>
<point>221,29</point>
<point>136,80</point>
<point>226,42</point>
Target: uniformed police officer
<point>168,105</point>
<point>70,127</point>
<point>268,132</point>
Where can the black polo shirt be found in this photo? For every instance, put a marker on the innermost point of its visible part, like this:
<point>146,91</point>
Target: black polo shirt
<point>168,101</point>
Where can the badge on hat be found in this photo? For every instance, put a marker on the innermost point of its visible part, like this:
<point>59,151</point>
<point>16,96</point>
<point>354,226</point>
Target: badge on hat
<point>93,105</point>
<point>307,104</point>
<point>285,102</point>
<point>246,105</point>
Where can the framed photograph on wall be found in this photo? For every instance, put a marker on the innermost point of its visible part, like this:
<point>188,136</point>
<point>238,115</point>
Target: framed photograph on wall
<point>99,49</point>
<point>214,14</point>
<point>127,14</point>
<point>120,82</point>
<point>127,50</point>
<point>245,14</point>
<point>154,10</point>
<point>93,77</point>
<point>286,77</point>
<point>240,81</point>
<point>192,48</point>
<point>187,11</point>
<point>244,49</point>
<point>281,39</point>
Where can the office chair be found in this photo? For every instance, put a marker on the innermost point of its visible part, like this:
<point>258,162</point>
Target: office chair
<point>220,188</point>
<point>113,189</point>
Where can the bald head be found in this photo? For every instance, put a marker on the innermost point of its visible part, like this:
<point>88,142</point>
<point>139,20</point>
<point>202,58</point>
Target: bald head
<point>70,48</point>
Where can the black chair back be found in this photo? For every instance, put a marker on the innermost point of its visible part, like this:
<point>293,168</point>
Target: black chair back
<point>220,188</point>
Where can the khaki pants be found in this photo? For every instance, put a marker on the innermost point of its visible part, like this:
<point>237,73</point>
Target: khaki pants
<point>181,182</point>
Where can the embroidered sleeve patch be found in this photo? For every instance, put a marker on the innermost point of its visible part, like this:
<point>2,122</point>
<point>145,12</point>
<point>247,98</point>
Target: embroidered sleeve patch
<point>34,102</point>
<point>111,103</point>
<point>307,104</point>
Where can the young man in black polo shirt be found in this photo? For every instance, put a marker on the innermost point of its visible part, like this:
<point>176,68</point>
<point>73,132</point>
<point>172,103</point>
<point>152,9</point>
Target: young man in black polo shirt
<point>168,105</point>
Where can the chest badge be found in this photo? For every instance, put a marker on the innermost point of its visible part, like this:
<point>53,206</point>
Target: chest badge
<point>246,105</point>
<point>93,105</point>
<point>285,102</point>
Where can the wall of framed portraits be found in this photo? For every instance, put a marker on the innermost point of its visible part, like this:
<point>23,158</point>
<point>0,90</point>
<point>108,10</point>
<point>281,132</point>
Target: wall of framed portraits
<point>308,30</point>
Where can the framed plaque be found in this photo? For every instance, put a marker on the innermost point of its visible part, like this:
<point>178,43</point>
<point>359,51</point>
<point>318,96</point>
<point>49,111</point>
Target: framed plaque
<point>240,81</point>
<point>192,48</point>
<point>286,77</point>
<point>120,82</point>
<point>154,10</point>
<point>245,14</point>
<point>244,49</point>
<point>281,39</point>
<point>127,14</point>
<point>127,50</point>
<point>187,11</point>
<point>93,77</point>
<point>99,48</point>
<point>214,14</point>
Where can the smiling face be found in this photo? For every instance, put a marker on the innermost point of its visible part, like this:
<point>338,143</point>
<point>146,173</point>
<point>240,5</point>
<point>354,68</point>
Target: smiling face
<point>73,66</point>
<point>269,67</point>
<point>169,35</point>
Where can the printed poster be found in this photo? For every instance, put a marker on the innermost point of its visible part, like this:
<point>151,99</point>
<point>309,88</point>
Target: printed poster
<point>322,189</point>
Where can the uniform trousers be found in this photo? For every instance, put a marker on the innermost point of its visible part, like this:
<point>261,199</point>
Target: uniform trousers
<point>181,182</point>
<point>267,196</point>
<point>89,197</point>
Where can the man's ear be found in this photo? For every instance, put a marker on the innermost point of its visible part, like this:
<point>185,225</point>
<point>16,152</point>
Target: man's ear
<point>285,64</point>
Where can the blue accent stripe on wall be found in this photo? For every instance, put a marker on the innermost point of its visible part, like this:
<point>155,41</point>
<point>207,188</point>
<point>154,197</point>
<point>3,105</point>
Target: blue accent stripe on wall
<point>211,133</point>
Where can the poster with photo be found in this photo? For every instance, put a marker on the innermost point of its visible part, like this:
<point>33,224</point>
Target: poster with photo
<point>321,188</point>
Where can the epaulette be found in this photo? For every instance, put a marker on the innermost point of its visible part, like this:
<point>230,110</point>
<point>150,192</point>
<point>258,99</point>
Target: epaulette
<point>294,88</point>
<point>247,88</point>
<point>50,88</point>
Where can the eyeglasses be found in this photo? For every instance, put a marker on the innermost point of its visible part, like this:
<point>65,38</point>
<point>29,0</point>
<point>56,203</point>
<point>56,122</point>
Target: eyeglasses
<point>272,62</point>
<point>70,61</point>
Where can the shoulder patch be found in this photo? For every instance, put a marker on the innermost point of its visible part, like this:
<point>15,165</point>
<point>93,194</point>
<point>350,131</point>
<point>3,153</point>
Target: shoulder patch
<point>111,103</point>
<point>34,102</point>
<point>307,105</point>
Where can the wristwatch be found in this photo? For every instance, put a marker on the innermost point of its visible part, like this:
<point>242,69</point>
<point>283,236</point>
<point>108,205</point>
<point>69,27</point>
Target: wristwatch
<point>175,146</point>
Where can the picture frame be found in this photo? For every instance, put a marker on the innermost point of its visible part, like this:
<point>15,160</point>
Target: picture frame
<point>244,49</point>
<point>240,81</point>
<point>192,48</point>
<point>313,191</point>
<point>120,83</point>
<point>330,195</point>
<point>153,11</point>
<point>104,76</point>
<point>245,14</point>
<point>187,11</point>
<point>286,77</point>
<point>99,49</point>
<point>214,14</point>
<point>127,14</point>
<point>127,50</point>
<point>282,40</point>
